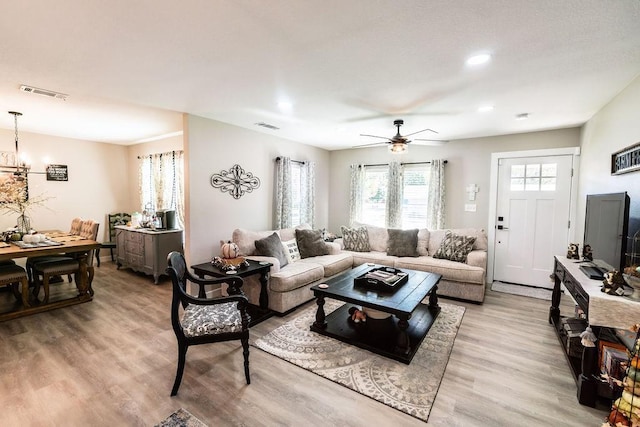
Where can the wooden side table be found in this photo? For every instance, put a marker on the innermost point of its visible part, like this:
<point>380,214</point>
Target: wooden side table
<point>258,313</point>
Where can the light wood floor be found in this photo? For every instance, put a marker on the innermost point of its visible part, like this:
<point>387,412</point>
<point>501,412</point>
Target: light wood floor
<point>111,362</point>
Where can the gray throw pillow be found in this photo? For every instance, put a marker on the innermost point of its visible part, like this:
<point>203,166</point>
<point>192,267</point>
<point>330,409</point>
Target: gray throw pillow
<point>402,242</point>
<point>311,243</point>
<point>355,239</point>
<point>455,247</point>
<point>272,246</point>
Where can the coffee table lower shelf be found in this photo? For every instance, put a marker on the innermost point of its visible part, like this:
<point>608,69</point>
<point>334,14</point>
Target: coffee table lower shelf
<point>380,335</point>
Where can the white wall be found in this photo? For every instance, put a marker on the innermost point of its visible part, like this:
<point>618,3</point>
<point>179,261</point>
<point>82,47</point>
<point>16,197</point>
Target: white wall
<point>211,216</point>
<point>613,128</point>
<point>98,180</point>
<point>469,162</point>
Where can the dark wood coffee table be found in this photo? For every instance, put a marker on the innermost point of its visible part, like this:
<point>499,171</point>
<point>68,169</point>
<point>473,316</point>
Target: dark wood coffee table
<point>398,336</point>
<point>257,313</point>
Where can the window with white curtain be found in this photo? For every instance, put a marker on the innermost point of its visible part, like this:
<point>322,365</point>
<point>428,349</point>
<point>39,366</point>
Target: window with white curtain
<point>161,184</point>
<point>415,188</point>
<point>295,193</point>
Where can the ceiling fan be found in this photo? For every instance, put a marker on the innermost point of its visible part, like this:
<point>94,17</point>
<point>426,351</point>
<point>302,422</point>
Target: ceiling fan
<point>399,143</point>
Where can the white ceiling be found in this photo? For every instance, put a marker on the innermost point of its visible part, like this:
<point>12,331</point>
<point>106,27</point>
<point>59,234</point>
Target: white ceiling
<point>347,66</point>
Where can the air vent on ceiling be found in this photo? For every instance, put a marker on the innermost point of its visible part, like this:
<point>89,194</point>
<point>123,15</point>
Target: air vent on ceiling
<point>267,125</point>
<point>44,92</point>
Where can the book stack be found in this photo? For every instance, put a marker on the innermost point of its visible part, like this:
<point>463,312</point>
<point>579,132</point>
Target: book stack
<point>384,276</point>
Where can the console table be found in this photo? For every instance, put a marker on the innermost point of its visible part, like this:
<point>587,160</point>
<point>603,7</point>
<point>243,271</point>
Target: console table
<point>146,250</point>
<point>602,311</point>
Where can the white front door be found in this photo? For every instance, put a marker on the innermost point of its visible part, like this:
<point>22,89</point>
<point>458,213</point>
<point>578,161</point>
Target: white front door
<point>532,217</point>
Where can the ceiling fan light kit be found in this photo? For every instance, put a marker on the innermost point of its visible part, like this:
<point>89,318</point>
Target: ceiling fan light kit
<point>400,144</point>
<point>398,147</point>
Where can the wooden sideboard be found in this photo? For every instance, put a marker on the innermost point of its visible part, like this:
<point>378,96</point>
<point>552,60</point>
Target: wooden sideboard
<point>601,310</point>
<point>146,250</point>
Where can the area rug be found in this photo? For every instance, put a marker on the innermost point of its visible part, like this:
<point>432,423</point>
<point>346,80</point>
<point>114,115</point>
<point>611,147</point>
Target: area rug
<point>409,388</point>
<point>181,418</point>
<point>522,290</point>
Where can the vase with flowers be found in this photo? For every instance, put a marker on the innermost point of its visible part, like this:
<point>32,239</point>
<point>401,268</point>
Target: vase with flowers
<point>14,199</point>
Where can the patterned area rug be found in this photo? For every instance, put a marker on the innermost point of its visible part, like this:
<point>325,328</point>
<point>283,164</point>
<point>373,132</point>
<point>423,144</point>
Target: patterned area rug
<point>181,418</point>
<point>408,388</point>
<point>522,290</point>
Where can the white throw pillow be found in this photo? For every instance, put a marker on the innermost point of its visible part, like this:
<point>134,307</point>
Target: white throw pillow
<point>291,250</point>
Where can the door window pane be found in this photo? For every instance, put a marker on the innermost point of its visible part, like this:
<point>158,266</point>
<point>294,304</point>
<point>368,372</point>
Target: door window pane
<point>517,171</point>
<point>531,184</point>
<point>517,184</point>
<point>533,170</point>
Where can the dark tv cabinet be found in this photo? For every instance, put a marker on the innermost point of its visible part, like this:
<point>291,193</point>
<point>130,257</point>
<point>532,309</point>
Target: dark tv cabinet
<point>605,313</point>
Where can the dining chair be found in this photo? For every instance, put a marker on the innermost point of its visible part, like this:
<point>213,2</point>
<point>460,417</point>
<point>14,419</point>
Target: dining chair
<point>13,275</point>
<point>67,264</point>
<point>121,218</point>
<point>206,320</point>
<point>74,230</point>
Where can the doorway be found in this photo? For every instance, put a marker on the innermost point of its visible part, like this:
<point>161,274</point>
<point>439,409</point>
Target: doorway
<point>531,214</point>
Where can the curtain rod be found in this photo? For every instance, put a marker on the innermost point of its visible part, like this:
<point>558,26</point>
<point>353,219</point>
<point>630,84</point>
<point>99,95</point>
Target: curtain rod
<point>293,161</point>
<point>408,163</point>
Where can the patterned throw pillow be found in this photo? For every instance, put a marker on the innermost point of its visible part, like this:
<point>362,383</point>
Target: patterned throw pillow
<point>355,239</point>
<point>291,250</point>
<point>454,247</point>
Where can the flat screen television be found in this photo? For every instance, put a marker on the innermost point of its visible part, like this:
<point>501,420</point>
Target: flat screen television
<point>606,227</point>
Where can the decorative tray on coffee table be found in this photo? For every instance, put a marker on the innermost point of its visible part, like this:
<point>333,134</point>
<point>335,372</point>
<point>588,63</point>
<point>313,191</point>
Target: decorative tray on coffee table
<point>382,279</point>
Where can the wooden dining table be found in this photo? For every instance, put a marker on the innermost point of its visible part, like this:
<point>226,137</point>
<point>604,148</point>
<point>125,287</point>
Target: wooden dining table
<point>67,244</point>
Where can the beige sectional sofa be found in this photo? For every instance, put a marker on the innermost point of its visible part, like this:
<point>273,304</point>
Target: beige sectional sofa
<point>289,286</point>
<point>463,280</point>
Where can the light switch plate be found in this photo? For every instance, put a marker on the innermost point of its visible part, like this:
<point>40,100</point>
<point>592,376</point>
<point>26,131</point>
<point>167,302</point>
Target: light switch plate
<point>470,207</point>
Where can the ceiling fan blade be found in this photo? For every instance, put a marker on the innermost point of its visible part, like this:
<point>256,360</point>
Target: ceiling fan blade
<point>432,142</point>
<point>380,144</point>
<point>423,130</point>
<point>376,136</point>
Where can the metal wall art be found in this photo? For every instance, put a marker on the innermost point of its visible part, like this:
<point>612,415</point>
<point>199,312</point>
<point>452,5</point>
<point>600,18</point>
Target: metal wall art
<point>235,181</point>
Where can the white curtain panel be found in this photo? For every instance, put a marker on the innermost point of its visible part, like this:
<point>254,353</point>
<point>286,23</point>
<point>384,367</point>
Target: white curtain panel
<point>393,209</point>
<point>436,196</point>
<point>283,193</point>
<point>308,192</point>
<point>355,195</point>
<point>161,182</point>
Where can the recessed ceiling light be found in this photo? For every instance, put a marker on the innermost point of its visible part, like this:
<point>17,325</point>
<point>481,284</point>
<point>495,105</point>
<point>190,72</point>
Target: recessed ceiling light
<point>285,105</point>
<point>479,59</point>
<point>522,116</point>
<point>485,108</point>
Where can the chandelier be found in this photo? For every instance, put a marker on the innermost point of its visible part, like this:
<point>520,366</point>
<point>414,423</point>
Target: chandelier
<point>21,167</point>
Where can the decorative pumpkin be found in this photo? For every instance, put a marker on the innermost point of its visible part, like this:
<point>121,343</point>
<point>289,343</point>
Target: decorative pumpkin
<point>229,250</point>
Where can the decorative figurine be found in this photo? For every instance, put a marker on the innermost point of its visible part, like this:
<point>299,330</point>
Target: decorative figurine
<point>613,283</point>
<point>357,316</point>
<point>573,251</point>
<point>587,253</point>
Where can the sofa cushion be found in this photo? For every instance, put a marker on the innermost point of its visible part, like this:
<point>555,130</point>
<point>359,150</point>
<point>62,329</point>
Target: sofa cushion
<point>450,270</point>
<point>272,246</point>
<point>455,247</point>
<point>402,242</point>
<point>291,250</point>
<point>332,264</point>
<point>423,242</point>
<point>381,258</point>
<point>355,239</point>
<point>311,243</point>
<point>377,236</point>
<point>295,275</point>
